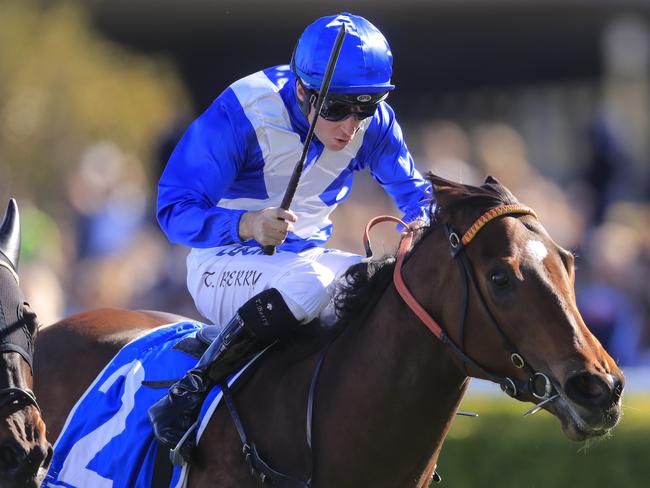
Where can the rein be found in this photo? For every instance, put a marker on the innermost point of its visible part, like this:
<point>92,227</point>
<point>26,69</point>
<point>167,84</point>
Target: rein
<point>538,384</point>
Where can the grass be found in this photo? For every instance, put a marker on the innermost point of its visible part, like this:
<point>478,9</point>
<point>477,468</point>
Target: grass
<point>505,450</point>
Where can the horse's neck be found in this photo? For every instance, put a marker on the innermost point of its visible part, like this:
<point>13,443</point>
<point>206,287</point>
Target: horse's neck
<point>397,385</point>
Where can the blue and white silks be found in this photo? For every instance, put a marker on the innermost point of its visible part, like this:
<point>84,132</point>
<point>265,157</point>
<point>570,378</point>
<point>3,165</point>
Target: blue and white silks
<point>107,441</point>
<point>239,156</point>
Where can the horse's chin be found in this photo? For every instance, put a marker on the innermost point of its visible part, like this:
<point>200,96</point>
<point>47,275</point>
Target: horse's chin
<point>581,425</point>
<point>34,482</point>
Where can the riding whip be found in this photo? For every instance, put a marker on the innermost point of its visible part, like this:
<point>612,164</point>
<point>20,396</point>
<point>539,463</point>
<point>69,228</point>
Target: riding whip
<point>322,93</point>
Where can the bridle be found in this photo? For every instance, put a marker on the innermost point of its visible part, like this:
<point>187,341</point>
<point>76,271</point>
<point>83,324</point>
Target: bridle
<point>14,395</point>
<point>538,384</point>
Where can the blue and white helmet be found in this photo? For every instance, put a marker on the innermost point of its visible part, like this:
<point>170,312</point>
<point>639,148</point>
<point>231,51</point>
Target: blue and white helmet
<point>365,63</point>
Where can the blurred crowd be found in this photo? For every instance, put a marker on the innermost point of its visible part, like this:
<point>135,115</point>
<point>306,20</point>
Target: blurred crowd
<point>104,247</point>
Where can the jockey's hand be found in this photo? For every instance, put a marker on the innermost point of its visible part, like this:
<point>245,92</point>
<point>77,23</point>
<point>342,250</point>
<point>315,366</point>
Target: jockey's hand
<point>269,226</point>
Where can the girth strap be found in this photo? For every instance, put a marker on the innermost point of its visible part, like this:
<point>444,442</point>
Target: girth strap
<point>259,469</point>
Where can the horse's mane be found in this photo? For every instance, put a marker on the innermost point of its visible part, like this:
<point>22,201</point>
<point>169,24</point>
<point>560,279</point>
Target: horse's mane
<point>360,287</point>
<point>452,203</point>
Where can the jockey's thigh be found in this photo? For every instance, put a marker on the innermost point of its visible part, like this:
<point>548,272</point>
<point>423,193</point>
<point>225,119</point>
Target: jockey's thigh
<point>222,279</point>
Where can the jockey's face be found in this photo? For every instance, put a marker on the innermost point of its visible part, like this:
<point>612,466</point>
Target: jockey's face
<point>334,135</point>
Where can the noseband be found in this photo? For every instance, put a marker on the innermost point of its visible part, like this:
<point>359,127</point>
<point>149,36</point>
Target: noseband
<point>538,384</point>
<point>14,395</point>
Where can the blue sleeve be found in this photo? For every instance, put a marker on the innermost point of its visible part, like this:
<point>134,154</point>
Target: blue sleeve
<point>199,172</point>
<point>391,164</point>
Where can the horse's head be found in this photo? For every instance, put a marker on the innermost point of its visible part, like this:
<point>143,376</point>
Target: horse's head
<point>24,451</point>
<point>523,325</point>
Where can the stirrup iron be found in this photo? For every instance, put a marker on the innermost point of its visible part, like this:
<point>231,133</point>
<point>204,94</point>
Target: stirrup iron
<point>175,454</point>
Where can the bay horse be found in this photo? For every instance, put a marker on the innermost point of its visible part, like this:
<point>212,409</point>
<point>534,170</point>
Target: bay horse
<point>24,450</point>
<point>502,294</point>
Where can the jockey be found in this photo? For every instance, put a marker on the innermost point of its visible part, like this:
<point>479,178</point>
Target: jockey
<point>220,195</point>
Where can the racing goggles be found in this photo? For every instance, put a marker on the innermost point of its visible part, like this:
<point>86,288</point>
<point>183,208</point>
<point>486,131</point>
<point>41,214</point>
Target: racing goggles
<point>337,106</point>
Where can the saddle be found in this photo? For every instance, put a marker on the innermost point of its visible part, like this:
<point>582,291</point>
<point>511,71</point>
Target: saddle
<point>259,469</point>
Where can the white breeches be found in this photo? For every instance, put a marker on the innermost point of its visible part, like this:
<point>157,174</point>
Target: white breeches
<point>222,279</point>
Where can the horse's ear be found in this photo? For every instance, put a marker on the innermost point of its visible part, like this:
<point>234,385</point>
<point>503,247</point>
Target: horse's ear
<point>502,190</point>
<point>446,190</point>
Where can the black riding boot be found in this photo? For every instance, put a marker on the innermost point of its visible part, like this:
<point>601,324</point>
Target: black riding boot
<point>261,320</point>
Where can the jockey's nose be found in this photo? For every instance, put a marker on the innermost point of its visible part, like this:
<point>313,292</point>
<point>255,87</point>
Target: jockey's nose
<point>349,125</point>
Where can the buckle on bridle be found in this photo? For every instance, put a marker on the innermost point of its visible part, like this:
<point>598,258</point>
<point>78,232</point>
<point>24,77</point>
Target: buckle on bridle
<point>517,360</point>
<point>454,240</point>
<point>547,388</point>
<point>509,388</point>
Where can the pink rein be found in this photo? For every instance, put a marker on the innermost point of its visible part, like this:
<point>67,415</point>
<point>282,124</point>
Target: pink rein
<point>405,244</point>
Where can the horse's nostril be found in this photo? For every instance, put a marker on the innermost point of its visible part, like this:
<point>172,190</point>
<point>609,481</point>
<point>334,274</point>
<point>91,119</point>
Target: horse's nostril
<point>48,457</point>
<point>589,390</point>
<point>36,457</point>
<point>21,466</point>
<point>9,457</point>
<point>588,387</point>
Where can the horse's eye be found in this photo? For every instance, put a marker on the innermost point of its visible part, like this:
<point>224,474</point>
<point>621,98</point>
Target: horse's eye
<point>499,279</point>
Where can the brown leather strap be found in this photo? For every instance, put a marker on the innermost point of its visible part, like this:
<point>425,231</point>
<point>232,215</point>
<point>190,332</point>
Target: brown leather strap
<point>402,289</point>
<point>377,220</point>
<point>404,246</point>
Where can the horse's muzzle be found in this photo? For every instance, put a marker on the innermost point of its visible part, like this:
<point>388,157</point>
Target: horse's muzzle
<point>589,404</point>
<point>22,468</point>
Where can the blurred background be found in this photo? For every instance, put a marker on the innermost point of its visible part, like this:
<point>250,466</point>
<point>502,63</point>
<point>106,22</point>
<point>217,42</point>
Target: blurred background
<point>550,97</point>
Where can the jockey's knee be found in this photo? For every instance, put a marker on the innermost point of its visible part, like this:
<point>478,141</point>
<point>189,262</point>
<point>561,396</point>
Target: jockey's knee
<point>307,294</point>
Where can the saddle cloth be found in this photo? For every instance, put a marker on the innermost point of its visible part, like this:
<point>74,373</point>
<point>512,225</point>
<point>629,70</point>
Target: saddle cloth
<point>107,440</point>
